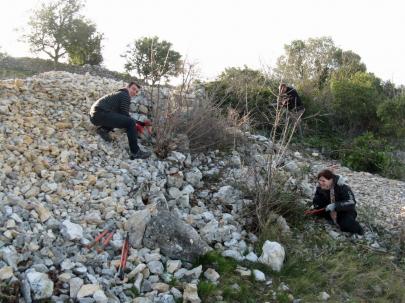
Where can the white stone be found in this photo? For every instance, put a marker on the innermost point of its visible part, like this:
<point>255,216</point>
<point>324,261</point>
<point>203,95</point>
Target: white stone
<point>252,257</point>
<point>211,275</point>
<point>156,267</point>
<point>41,285</point>
<point>67,264</point>
<point>190,294</point>
<point>75,284</point>
<point>138,281</point>
<point>100,297</point>
<point>232,254</point>
<point>139,268</point>
<point>273,255</point>
<point>173,265</point>
<point>259,275</point>
<point>136,225</point>
<point>324,296</point>
<point>6,273</point>
<point>71,231</point>
<point>194,176</point>
<point>88,290</point>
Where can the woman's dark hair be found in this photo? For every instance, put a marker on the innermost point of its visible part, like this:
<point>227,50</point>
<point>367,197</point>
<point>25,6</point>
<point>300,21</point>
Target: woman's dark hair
<point>134,83</point>
<point>326,173</point>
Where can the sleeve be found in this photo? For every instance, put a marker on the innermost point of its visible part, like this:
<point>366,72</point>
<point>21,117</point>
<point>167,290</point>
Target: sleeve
<point>319,199</point>
<point>346,201</point>
<point>125,101</point>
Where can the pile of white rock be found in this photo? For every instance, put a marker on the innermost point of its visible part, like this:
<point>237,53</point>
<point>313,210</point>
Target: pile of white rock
<point>61,185</point>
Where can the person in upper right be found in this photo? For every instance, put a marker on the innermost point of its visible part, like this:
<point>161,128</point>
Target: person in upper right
<point>337,198</point>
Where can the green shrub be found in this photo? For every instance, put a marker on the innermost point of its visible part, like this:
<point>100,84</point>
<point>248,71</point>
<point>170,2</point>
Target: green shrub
<point>367,153</point>
<point>355,101</point>
<point>392,114</point>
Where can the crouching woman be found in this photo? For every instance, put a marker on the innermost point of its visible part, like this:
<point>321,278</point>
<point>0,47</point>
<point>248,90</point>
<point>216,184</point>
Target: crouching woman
<point>338,200</point>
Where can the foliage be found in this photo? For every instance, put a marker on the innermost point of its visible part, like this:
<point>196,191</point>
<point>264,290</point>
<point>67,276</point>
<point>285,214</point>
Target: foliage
<point>308,61</point>
<point>355,101</point>
<point>392,114</point>
<point>152,59</point>
<point>348,270</point>
<point>270,197</point>
<point>196,124</point>
<point>349,63</point>
<point>367,153</point>
<point>202,122</point>
<point>247,91</point>
<point>50,26</point>
<point>84,43</point>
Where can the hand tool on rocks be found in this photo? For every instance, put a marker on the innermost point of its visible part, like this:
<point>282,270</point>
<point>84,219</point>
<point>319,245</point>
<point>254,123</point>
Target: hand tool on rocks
<point>124,256</point>
<point>142,126</point>
<point>314,211</point>
<point>104,238</point>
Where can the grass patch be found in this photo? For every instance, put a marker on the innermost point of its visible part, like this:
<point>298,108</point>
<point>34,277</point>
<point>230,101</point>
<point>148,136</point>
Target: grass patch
<point>349,271</point>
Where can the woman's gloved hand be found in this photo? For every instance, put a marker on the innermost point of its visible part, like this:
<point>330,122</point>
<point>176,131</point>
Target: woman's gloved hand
<point>330,207</point>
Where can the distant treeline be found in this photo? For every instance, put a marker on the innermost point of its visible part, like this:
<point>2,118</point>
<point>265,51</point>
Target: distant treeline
<point>11,67</point>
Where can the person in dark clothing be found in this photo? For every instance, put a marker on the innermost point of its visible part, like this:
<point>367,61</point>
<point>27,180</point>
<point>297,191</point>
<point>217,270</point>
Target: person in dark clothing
<point>338,200</point>
<point>289,98</point>
<point>112,111</point>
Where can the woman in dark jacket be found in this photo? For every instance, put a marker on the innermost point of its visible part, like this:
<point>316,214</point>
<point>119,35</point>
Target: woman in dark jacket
<point>338,200</point>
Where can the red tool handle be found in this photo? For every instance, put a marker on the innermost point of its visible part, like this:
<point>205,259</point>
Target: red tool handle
<point>124,255</point>
<point>108,239</point>
<point>314,211</point>
<point>97,238</point>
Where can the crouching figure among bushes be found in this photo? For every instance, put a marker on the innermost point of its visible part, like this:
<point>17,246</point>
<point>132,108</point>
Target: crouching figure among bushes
<point>338,200</point>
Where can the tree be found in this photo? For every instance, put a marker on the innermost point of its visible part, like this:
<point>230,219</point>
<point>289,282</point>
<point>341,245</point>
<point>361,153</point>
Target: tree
<point>152,59</point>
<point>349,63</point>
<point>392,113</point>
<point>355,101</point>
<point>312,60</point>
<point>84,43</point>
<point>50,26</point>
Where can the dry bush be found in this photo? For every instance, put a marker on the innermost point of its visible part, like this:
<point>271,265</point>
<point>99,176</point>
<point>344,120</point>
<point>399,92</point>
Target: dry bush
<point>269,194</point>
<point>197,117</point>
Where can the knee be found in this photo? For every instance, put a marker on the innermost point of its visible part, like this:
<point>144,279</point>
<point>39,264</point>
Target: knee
<point>131,122</point>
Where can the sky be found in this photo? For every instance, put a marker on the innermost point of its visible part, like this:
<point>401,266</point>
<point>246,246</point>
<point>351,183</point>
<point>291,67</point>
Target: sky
<point>217,34</point>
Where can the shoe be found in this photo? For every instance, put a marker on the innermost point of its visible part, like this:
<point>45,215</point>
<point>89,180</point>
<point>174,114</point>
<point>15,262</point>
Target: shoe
<point>104,134</point>
<point>139,155</point>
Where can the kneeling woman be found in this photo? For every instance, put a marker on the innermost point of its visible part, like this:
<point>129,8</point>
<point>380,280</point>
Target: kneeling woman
<point>338,200</point>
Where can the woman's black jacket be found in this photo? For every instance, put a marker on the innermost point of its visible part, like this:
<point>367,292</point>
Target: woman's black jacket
<point>344,197</point>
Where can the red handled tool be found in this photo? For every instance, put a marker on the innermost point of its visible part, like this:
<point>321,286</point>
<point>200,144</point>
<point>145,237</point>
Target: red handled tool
<point>144,130</point>
<point>104,238</point>
<point>314,211</point>
<point>124,256</point>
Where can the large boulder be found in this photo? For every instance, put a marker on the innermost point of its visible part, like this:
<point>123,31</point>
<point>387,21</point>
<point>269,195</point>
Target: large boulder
<point>175,238</point>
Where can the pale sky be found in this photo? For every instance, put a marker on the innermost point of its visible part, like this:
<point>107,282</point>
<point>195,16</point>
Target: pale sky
<point>231,33</point>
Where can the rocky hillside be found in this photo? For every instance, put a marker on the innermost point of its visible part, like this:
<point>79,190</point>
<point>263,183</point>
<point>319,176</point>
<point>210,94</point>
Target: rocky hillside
<point>61,185</point>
